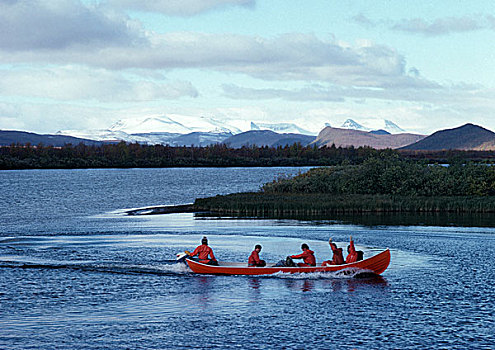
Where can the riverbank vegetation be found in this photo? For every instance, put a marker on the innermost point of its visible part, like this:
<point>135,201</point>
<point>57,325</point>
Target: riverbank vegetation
<point>384,183</point>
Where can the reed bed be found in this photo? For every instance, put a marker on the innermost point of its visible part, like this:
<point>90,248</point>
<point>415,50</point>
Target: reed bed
<point>311,204</point>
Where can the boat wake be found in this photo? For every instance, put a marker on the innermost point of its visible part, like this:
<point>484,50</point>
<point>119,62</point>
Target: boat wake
<point>341,274</point>
<point>166,268</point>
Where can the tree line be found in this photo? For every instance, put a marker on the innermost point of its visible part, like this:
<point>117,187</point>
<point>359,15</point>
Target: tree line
<point>134,155</point>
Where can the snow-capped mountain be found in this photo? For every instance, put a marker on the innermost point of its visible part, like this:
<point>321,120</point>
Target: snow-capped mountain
<point>101,135</point>
<point>393,128</point>
<point>373,124</point>
<point>281,128</point>
<point>351,124</point>
<point>151,124</point>
<point>173,129</point>
<point>179,130</point>
<point>173,123</point>
<point>383,124</point>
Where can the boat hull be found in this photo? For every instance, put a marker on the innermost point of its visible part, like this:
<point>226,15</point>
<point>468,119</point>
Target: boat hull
<point>376,264</point>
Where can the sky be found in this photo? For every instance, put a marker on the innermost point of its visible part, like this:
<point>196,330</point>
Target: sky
<point>79,65</point>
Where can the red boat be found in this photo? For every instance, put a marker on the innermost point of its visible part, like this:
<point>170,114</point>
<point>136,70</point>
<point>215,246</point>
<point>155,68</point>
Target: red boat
<point>375,264</point>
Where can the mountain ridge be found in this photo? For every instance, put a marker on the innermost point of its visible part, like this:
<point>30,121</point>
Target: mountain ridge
<point>9,137</point>
<point>267,138</point>
<point>466,137</point>
<point>357,138</point>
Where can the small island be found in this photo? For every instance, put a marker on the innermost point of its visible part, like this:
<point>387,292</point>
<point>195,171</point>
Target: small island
<point>383,183</point>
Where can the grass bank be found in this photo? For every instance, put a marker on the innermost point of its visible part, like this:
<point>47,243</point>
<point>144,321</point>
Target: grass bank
<point>317,204</point>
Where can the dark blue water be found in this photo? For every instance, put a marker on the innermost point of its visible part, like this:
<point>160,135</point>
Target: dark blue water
<point>77,274</point>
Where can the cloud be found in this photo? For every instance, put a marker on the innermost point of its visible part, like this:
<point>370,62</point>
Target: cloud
<point>312,93</point>
<point>364,21</point>
<point>178,7</point>
<point>49,118</point>
<point>78,83</point>
<point>430,28</point>
<point>434,94</point>
<point>33,25</point>
<point>441,26</point>
<point>302,57</point>
<point>64,32</point>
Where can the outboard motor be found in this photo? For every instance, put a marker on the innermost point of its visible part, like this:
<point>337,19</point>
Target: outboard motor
<point>181,257</point>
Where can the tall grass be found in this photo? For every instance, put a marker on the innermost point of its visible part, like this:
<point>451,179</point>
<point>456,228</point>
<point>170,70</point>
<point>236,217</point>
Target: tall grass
<point>309,204</point>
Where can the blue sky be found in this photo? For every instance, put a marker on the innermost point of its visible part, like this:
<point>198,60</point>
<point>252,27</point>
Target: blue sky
<point>425,65</point>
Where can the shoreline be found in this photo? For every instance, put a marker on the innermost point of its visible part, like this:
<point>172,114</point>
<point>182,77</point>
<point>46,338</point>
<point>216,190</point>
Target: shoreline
<point>163,209</point>
<point>262,205</point>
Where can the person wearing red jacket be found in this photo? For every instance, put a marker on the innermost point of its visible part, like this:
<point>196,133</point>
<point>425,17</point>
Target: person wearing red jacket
<point>352,255</point>
<point>338,258</point>
<point>254,258</point>
<point>307,255</point>
<point>203,251</point>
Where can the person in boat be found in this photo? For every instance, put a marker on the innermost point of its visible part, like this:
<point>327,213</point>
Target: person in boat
<point>254,259</point>
<point>352,254</point>
<point>360,255</point>
<point>307,255</point>
<point>338,258</point>
<point>203,251</point>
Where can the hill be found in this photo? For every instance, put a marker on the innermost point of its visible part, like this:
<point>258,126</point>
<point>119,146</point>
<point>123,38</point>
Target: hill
<point>466,137</point>
<point>267,138</point>
<point>8,137</point>
<point>357,138</point>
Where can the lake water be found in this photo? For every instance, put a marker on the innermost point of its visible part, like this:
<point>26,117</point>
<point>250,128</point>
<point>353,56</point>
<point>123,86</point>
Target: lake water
<point>75,273</point>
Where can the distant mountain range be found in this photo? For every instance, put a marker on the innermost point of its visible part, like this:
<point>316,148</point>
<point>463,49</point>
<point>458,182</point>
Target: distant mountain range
<point>466,137</point>
<point>176,130</point>
<point>378,139</point>
<point>9,137</point>
<point>267,138</point>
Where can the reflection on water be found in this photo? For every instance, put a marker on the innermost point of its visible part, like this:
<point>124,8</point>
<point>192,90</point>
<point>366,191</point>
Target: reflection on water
<point>254,283</point>
<point>203,285</point>
<point>308,285</point>
<point>379,219</point>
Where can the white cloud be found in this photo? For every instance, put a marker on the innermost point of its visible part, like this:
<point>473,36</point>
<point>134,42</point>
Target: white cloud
<point>302,57</point>
<point>310,93</point>
<point>405,91</point>
<point>441,26</point>
<point>178,7</point>
<point>364,21</point>
<point>78,83</point>
<point>32,25</point>
<point>431,28</point>
<point>68,32</point>
<point>49,118</point>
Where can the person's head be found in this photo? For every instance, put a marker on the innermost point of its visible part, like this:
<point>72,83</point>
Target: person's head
<point>304,246</point>
<point>360,255</point>
<point>334,245</point>
<point>204,240</point>
<point>257,247</point>
<point>349,248</point>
